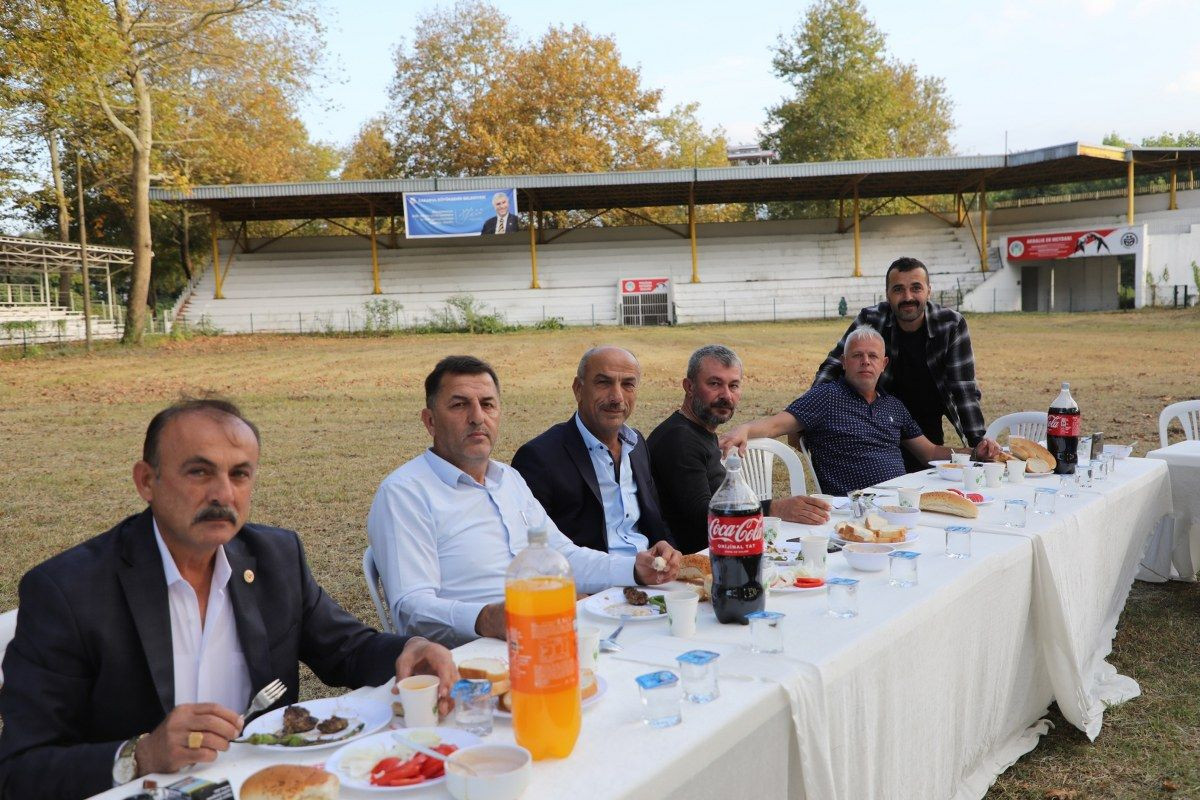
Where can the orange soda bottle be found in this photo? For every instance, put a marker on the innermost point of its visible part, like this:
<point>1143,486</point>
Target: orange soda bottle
<point>539,598</point>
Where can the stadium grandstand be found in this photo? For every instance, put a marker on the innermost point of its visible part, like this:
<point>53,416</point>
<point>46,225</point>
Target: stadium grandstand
<point>980,258</point>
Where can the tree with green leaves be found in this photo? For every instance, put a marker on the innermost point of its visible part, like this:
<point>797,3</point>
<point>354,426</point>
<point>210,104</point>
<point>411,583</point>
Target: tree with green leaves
<point>852,100</point>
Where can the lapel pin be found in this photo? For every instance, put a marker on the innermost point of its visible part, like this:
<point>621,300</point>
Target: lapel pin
<point>248,576</point>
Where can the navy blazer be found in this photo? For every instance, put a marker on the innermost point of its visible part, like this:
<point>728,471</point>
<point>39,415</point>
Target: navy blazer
<point>511,223</point>
<point>559,471</point>
<point>91,663</point>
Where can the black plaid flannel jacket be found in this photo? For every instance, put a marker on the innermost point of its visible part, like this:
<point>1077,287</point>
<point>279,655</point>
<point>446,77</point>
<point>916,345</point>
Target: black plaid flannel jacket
<point>948,353</point>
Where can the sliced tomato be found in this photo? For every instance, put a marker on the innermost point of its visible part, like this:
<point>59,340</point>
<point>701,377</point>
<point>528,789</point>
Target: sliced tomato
<point>388,780</point>
<point>808,583</point>
<point>432,768</point>
<point>389,763</point>
<point>446,749</point>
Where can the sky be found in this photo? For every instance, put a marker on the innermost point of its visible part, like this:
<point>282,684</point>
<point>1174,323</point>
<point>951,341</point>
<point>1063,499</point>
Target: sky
<point>1023,74</point>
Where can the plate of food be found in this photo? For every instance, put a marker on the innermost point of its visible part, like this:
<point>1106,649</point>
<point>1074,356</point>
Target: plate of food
<point>875,529</point>
<point>383,763</point>
<point>977,498</point>
<point>638,604</point>
<point>792,580</point>
<point>315,724</point>
<point>591,688</point>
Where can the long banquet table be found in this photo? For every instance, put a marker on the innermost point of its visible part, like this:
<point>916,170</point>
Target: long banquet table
<point>931,692</point>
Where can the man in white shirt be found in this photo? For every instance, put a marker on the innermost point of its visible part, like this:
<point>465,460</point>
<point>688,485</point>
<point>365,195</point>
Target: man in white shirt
<point>444,526</point>
<point>138,650</point>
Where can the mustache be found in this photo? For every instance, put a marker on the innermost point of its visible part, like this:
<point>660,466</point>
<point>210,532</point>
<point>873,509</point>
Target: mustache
<point>216,513</point>
<point>721,404</point>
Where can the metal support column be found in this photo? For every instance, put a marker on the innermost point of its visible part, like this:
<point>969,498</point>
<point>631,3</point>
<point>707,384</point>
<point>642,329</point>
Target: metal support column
<point>983,240</point>
<point>374,253</point>
<point>692,232</point>
<point>1129,194</point>
<point>112,314</point>
<point>216,255</point>
<point>857,237</point>
<point>83,261</point>
<point>1171,204</point>
<point>533,281</point>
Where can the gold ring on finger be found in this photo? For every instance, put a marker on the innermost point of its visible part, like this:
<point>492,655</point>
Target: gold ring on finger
<point>194,740</point>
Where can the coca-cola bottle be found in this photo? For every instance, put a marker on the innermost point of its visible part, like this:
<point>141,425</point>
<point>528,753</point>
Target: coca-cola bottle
<point>1062,431</point>
<point>735,546</point>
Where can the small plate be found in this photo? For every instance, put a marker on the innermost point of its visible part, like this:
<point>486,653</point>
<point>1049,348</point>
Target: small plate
<point>601,689</point>
<point>458,738</point>
<point>600,604</point>
<point>372,715</point>
<point>789,589</point>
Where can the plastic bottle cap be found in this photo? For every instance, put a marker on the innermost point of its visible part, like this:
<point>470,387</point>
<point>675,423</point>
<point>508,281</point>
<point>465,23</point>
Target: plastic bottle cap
<point>538,535</point>
<point>734,461</point>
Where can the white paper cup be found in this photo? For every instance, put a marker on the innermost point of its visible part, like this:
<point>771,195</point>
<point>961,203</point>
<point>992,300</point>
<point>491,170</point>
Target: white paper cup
<point>993,473</point>
<point>972,478</point>
<point>418,695</point>
<point>1016,471</point>
<point>814,549</point>
<point>771,528</point>
<point>587,638</point>
<point>681,612</point>
<point>909,498</point>
<point>960,458</point>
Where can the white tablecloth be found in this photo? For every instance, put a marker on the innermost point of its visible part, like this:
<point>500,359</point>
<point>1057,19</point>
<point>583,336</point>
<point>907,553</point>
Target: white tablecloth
<point>1177,555</point>
<point>931,692</point>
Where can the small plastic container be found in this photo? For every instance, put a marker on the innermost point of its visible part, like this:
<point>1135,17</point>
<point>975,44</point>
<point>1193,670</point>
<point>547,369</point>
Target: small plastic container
<point>473,706</point>
<point>903,568</point>
<point>958,541</point>
<point>843,597</point>
<point>1043,500</point>
<point>1015,513</point>
<point>699,671</point>
<point>766,635</point>
<point>660,698</point>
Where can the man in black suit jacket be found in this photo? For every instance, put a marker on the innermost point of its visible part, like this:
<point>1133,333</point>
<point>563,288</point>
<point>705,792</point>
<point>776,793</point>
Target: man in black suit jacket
<point>90,696</point>
<point>592,472</point>
<point>511,221</point>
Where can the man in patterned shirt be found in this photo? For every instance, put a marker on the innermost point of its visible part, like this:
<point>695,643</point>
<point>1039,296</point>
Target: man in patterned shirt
<point>854,430</point>
<point>931,368</point>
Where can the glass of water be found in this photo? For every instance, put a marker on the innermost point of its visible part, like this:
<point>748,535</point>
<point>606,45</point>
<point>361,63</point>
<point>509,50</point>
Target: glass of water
<point>1067,484</point>
<point>1015,512</point>
<point>660,699</point>
<point>766,635</point>
<point>1083,475</point>
<point>473,706</point>
<point>958,541</point>
<point>903,568</point>
<point>1098,473</point>
<point>699,671</point>
<point>843,597</point>
<point>1043,500</point>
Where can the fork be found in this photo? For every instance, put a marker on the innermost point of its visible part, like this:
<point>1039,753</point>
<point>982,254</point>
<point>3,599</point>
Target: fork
<point>609,644</point>
<point>265,697</point>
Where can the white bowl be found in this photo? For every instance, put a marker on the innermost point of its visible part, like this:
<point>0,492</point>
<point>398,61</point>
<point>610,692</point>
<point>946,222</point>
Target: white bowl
<point>867,556</point>
<point>1119,451</point>
<point>898,515</point>
<point>504,772</point>
<point>948,471</point>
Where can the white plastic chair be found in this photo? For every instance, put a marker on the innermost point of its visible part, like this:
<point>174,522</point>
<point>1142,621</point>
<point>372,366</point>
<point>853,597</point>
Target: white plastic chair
<point>375,589</point>
<point>1030,425</point>
<point>760,462</point>
<point>8,629</point>
<point>1188,414</point>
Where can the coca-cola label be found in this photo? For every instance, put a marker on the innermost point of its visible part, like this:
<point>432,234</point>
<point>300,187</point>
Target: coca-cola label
<point>735,536</point>
<point>1062,424</point>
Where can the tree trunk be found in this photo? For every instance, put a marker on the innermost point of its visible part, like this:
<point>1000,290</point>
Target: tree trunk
<point>139,283</point>
<point>64,218</point>
<point>185,246</point>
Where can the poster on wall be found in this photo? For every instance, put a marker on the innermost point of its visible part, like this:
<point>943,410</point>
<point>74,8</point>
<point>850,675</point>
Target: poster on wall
<point>1074,244</point>
<point>430,215</point>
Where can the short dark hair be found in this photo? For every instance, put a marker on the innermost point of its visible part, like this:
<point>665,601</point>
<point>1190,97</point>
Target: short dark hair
<point>214,406</point>
<point>906,264</point>
<point>718,352</point>
<point>455,365</point>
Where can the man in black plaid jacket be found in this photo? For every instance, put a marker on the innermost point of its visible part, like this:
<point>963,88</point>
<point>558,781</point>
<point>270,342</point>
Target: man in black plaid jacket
<point>931,367</point>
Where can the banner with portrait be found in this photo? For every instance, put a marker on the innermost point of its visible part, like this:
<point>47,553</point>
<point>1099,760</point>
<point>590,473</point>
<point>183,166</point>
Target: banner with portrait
<point>474,213</point>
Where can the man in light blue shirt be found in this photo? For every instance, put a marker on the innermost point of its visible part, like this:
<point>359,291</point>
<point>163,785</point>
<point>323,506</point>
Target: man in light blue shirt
<point>444,526</point>
<point>592,473</point>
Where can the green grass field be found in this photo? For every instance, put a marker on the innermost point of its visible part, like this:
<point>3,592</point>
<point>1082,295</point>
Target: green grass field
<point>338,413</point>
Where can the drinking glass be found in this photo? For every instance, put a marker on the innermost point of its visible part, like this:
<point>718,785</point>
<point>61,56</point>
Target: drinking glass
<point>660,698</point>
<point>473,706</point>
<point>958,541</point>
<point>843,597</point>
<point>766,635</point>
<point>1083,475</point>
<point>1043,500</point>
<point>699,671</point>
<point>1015,512</point>
<point>1098,473</point>
<point>903,568</point>
<point>1067,483</point>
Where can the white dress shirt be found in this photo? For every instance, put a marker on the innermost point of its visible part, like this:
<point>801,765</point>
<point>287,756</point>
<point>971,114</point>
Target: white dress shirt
<point>210,666</point>
<point>619,498</point>
<point>442,542</point>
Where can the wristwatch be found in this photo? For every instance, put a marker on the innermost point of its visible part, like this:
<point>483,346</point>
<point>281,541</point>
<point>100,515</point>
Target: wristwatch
<point>125,766</point>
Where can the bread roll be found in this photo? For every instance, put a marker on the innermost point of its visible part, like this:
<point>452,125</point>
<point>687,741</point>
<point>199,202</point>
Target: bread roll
<point>696,569</point>
<point>290,782</point>
<point>1026,449</point>
<point>506,702</point>
<point>479,669</point>
<point>948,503</point>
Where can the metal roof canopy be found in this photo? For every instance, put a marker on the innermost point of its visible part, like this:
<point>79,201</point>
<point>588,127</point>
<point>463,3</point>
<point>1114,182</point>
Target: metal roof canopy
<point>893,177</point>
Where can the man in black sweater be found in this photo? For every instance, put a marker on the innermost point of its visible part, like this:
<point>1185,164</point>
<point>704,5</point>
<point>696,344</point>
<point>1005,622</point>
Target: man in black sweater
<point>686,461</point>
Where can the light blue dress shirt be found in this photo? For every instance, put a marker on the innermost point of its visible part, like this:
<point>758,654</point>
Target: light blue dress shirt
<point>621,511</point>
<point>442,542</point>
